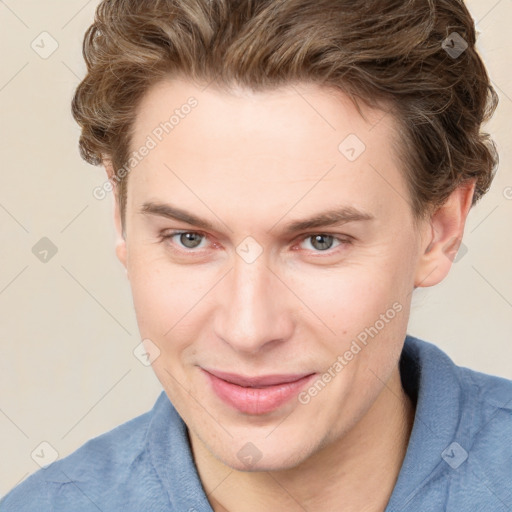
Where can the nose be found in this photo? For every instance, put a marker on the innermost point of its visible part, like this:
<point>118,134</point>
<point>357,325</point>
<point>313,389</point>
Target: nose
<point>254,313</point>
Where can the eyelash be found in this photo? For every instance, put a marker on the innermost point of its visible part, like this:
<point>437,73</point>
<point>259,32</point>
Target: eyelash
<point>342,241</point>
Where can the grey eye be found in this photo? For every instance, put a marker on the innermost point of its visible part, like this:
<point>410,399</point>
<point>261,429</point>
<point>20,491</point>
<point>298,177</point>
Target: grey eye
<point>190,240</point>
<point>321,242</point>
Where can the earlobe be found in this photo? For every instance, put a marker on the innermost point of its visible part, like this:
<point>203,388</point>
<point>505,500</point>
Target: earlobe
<point>121,253</point>
<point>444,237</point>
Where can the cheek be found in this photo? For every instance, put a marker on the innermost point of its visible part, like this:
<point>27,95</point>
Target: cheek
<point>168,299</point>
<point>154,290</point>
<point>347,298</point>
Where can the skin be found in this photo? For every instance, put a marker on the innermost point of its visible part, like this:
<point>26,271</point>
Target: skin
<point>250,163</point>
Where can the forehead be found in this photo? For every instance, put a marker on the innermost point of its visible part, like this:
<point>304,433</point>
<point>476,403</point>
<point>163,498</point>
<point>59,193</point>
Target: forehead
<point>300,111</point>
<point>294,141</point>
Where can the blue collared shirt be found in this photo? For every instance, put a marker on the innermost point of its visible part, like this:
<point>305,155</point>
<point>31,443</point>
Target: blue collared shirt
<point>459,456</point>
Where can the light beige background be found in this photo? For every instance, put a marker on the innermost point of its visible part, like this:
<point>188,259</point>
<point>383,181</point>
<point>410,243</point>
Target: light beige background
<point>68,329</point>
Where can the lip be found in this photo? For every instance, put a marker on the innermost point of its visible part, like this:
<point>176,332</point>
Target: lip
<point>256,395</point>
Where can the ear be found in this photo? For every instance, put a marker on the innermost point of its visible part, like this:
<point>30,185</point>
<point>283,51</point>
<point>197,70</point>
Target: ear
<point>121,251</point>
<point>445,228</point>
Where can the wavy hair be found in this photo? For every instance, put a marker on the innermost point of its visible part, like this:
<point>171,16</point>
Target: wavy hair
<point>380,52</point>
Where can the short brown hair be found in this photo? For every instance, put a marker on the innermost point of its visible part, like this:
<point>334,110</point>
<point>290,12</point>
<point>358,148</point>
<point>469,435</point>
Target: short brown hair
<point>385,52</point>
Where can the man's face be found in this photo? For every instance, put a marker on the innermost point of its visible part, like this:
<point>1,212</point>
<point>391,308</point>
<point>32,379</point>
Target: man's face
<point>249,295</point>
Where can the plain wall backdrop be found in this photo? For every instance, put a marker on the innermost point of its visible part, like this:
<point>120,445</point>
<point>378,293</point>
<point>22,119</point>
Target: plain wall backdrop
<point>68,328</point>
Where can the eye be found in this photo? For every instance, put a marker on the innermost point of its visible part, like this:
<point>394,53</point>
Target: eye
<point>188,239</point>
<point>322,242</point>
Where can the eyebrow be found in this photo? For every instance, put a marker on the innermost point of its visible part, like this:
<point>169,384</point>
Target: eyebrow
<point>323,219</point>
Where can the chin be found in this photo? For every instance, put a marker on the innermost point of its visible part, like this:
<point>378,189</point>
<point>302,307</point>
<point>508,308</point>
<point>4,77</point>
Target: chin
<point>262,455</point>
<point>276,464</point>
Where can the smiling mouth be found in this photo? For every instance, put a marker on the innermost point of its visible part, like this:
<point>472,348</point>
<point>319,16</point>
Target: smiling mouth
<point>256,395</point>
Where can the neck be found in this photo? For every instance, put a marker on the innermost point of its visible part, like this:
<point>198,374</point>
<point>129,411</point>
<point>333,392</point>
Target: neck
<point>359,470</point>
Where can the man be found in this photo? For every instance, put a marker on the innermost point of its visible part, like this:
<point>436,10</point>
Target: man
<point>285,175</point>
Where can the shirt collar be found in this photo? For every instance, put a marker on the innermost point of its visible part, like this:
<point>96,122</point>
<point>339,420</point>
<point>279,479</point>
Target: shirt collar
<point>172,458</point>
<point>429,377</point>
